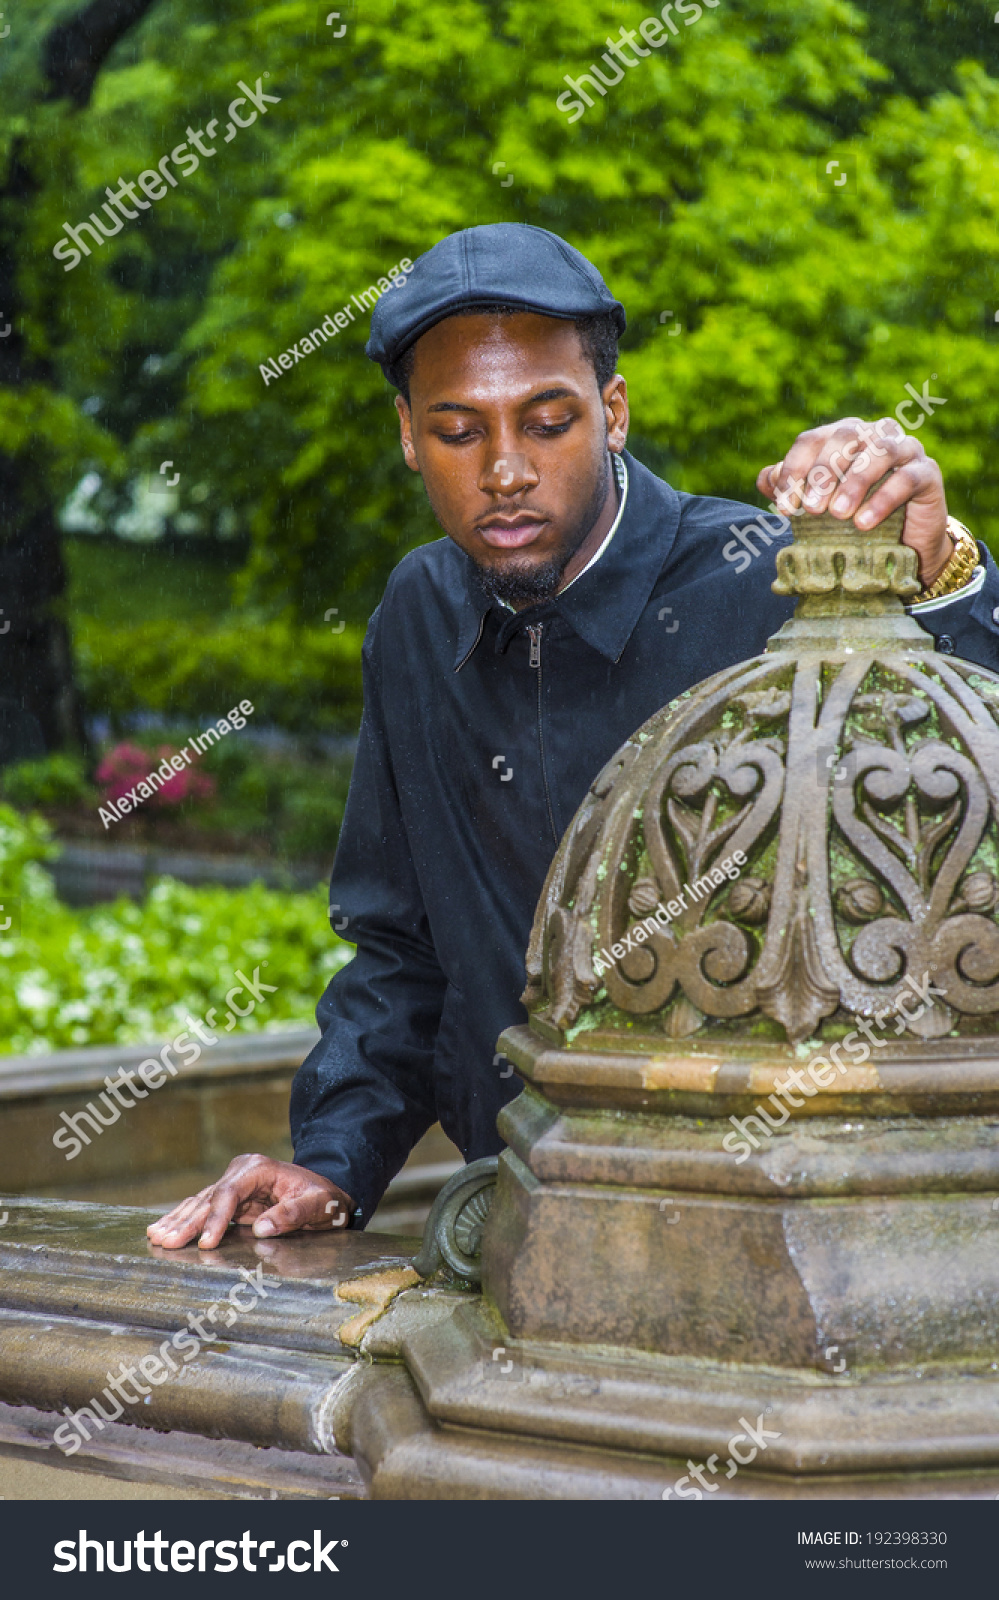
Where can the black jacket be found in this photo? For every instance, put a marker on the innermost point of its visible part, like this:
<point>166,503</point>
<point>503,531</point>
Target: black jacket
<point>470,765</point>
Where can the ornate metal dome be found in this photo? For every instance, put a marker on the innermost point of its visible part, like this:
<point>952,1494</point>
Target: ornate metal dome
<point>815,826</point>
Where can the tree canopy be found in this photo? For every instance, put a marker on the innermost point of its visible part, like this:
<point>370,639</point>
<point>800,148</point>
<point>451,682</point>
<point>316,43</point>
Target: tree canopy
<point>762,298</point>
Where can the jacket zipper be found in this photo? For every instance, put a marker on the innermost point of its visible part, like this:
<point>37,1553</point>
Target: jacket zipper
<point>535,631</point>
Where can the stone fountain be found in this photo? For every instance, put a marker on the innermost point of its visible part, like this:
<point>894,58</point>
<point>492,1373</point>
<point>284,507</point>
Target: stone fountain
<point>667,1267</point>
<point>744,1240</point>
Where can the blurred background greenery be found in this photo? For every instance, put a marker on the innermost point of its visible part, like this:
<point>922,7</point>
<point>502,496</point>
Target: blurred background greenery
<point>762,299</point>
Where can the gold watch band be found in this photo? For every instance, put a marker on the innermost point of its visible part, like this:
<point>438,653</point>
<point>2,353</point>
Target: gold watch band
<point>959,568</point>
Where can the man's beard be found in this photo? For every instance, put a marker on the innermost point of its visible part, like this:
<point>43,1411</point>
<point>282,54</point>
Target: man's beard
<point>530,583</point>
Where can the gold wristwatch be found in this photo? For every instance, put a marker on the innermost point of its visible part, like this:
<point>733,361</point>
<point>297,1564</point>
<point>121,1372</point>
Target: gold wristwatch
<point>959,568</point>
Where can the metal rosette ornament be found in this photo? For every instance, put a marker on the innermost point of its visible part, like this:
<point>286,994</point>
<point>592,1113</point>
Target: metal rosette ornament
<point>805,837</point>
<point>452,1237</point>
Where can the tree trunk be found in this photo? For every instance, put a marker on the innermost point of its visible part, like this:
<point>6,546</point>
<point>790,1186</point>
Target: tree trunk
<point>41,708</point>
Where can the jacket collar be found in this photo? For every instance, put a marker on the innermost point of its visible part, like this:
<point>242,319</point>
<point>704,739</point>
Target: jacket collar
<point>604,603</point>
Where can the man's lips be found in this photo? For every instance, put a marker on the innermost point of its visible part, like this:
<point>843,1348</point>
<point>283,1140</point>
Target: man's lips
<point>512,533</point>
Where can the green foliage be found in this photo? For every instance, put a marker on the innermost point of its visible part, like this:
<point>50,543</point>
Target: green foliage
<point>303,679</point>
<point>694,185</point>
<point>128,583</point>
<point>126,973</point>
<point>296,804</point>
<point>55,436</point>
<point>923,41</point>
<point>56,780</point>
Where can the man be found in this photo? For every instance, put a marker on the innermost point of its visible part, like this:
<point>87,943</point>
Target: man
<point>574,595</point>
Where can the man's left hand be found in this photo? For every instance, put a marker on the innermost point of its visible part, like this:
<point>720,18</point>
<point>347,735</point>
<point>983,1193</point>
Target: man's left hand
<point>833,467</point>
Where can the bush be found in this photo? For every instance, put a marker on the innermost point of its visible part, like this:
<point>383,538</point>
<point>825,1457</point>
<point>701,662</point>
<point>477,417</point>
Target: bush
<point>299,804</point>
<point>127,973</point>
<point>302,679</point>
<point>291,801</point>
<point>56,780</point>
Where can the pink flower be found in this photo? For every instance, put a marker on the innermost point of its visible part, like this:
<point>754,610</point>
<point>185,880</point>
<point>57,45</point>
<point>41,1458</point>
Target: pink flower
<point>124,767</point>
<point>121,768</point>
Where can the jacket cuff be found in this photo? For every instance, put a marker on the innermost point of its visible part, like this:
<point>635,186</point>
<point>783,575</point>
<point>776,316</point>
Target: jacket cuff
<point>357,1174</point>
<point>967,623</point>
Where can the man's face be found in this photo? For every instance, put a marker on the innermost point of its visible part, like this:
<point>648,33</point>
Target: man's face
<point>511,435</point>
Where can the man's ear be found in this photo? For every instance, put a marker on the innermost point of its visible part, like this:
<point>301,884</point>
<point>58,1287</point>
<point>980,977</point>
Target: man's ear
<point>615,399</point>
<point>406,433</point>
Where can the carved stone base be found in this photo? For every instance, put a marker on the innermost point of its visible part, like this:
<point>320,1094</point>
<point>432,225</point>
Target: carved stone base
<point>485,1416</point>
<point>874,1236</point>
<point>819,1319</point>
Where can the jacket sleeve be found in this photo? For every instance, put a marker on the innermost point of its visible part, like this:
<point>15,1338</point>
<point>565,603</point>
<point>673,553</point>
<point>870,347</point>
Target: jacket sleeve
<point>967,623</point>
<point>365,1094</point>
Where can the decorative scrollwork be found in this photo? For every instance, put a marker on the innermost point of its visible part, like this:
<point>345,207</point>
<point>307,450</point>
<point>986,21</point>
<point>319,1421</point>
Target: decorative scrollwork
<point>453,1233</point>
<point>853,773</point>
<point>886,862</point>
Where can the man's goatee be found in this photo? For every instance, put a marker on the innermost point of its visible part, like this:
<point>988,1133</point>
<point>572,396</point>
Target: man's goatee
<point>520,584</point>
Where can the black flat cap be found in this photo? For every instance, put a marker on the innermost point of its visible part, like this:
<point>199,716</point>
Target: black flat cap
<point>510,262</point>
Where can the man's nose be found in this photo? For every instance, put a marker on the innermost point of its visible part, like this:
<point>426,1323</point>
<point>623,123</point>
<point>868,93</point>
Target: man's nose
<point>507,472</point>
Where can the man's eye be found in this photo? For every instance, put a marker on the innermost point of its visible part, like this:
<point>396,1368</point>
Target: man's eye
<point>549,429</point>
<point>455,438</point>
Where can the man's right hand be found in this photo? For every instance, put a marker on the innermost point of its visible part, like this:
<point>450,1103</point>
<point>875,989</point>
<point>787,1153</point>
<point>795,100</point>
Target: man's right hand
<point>276,1196</point>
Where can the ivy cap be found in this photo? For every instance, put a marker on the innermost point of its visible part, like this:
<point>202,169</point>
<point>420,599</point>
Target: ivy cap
<point>510,262</point>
